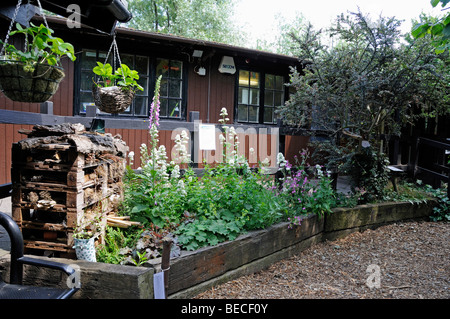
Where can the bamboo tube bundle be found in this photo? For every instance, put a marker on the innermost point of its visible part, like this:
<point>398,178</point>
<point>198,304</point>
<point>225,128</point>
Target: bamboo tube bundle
<point>120,221</point>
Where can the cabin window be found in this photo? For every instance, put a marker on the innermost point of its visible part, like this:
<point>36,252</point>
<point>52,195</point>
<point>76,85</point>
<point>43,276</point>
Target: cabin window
<point>258,96</point>
<point>171,87</point>
<point>171,92</point>
<point>273,97</point>
<point>248,96</point>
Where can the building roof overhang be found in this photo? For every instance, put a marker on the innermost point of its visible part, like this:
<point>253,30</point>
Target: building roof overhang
<point>99,14</point>
<point>209,47</point>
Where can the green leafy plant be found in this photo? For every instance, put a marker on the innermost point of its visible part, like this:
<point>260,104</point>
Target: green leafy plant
<point>369,174</point>
<point>89,226</point>
<point>118,245</point>
<point>41,46</point>
<point>407,191</point>
<point>140,259</point>
<point>123,76</point>
<point>441,212</point>
<point>226,204</point>
<point>439,29</point>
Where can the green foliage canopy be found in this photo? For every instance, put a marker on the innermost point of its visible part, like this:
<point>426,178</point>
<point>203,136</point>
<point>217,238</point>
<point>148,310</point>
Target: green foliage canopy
<point>198,19</point>
<point>439,29</point>
<point>369,83</point>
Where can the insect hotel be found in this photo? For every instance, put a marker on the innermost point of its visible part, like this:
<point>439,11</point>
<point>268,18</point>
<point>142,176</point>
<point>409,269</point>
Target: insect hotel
<point>62,174</point>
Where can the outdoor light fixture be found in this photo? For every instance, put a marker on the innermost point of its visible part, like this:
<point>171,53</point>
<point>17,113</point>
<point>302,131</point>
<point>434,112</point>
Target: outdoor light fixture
<point>197,53</point>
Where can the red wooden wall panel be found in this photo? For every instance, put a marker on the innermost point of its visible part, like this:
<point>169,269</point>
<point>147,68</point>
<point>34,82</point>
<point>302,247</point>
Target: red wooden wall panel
<point>220,88</point>
<point>10,134</point>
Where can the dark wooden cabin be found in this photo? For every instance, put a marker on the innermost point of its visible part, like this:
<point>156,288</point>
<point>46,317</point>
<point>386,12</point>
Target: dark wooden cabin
<point>193,90</point>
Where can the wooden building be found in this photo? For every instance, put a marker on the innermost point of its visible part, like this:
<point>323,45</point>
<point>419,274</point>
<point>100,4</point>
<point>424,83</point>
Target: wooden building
<point>199,78</point>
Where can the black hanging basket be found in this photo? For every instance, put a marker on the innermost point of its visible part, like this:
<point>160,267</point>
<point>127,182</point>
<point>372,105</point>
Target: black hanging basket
<point>112,99</point>
<point>32,87</point>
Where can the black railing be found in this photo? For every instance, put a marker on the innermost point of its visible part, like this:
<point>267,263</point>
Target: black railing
<point>434,165</point>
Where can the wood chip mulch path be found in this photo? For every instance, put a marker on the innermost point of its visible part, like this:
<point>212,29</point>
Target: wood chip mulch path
<point>413,261</point>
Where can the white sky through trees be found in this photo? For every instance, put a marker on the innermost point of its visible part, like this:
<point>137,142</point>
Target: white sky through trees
<point>257,17</point>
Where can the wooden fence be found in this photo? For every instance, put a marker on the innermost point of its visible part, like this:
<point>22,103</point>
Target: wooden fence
<point>435,169</point>
<point>423,150</point>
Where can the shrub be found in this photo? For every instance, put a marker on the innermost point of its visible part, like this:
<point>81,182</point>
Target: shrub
<point>369,175</point>
<point>441,212</point>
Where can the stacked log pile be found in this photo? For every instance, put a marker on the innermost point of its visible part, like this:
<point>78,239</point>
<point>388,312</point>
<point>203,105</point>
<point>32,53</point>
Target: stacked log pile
<point>61,173</point>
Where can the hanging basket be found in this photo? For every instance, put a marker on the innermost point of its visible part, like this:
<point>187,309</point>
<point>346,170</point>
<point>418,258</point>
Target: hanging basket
<point>112,99</point>
<point>32,87</point>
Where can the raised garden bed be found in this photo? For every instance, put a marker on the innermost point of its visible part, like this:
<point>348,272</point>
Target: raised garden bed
<point>196,271</point>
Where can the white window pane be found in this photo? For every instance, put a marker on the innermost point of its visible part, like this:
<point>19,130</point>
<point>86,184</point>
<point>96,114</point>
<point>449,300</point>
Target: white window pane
<point>176,69</point>
<point>253,114</point>
<point>268,97</point>
<point>243,95</point>
<point>243,113</point>
<point>175,88</point>
<point>163,107</point>
<point>268,115</point>
<point>279,81</point>
<point>140,105</point>
<point>254,96</point>
<point>270,81</point>
<point>162,67</point>
<point>279,100</point>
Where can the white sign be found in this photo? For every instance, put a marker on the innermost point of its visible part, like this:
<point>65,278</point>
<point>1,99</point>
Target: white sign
<point>207,137</point>
<point>158,285</point>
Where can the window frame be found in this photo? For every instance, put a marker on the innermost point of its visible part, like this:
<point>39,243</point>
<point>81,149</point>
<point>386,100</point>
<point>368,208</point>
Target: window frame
<point>273,91</point>
<point>262,90</point>
<point>151,81</point>
<point>249,89</point>
<point>169,80</point>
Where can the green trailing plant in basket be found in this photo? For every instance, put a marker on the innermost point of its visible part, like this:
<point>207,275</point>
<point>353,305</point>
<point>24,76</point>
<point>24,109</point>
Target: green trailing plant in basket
<point>41,47</point>
<point>115,91</point>
<point>34,73</point>
<point>123,76</point>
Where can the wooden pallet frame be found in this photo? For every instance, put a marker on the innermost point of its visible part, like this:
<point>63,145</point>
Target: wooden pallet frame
<point>71,192</point>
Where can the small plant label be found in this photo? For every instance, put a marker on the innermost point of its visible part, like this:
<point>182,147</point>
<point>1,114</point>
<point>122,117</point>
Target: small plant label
<point>158,285</point>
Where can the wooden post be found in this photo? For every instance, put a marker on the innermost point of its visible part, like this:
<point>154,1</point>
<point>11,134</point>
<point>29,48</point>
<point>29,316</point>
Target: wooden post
<point>415,154</point>
<point>47,108</point>
<point>165,262</point>
<point>448,185</point>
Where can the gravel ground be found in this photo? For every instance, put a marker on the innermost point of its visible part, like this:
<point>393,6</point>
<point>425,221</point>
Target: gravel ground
<point>413,261</point>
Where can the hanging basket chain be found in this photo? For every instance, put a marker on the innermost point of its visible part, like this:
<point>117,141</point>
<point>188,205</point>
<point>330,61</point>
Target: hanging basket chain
<point>5,43</point>
<point>42,14</point>
<point>22,84</point>
<point>114,99</point>
<point>16,11</point>
<point>116,54</point>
